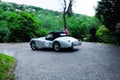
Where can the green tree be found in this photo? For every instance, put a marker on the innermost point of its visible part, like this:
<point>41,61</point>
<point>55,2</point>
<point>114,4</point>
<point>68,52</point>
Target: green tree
<point>103,35</point>
<point>108,11</point>
<point>4,31</point>
<point>23,26</point>
<point>79,26</point>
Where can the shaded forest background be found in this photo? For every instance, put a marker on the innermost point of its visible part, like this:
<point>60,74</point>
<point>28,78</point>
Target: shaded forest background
<point>20,23</point>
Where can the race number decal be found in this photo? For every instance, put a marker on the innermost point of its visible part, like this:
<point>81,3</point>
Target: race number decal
<point>46,44</point>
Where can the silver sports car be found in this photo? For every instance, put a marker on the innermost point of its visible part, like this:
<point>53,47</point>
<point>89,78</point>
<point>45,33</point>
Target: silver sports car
<point>55,40</point>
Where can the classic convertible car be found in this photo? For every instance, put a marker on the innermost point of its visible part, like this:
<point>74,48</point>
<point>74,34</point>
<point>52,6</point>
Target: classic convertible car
<point>55,40</point>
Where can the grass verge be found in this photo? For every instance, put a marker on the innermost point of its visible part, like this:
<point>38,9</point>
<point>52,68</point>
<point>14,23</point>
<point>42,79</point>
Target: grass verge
<point>7,65</point>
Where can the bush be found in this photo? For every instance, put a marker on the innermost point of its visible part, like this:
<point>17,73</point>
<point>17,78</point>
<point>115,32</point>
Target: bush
<point>4,31</point>
<point>105,36</point>
<point>80,32</point>
<point>23,26</point>
<point>41,33</point>
<point>76,32</point>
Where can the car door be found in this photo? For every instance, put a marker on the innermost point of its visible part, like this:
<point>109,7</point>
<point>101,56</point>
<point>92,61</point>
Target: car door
<point>49,40</point>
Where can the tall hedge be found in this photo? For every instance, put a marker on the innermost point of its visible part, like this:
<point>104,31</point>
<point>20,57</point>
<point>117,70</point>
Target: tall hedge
<point>23,26</point>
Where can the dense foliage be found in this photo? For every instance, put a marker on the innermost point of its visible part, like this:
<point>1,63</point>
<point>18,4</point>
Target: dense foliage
<point>17,27</point>
<point>23,26</point>
<point>21,23</point>
<point>108,11</point>
<point>104,35</point>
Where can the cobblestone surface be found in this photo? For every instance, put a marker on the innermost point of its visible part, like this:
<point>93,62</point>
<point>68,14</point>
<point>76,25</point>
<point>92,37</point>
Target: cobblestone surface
<point>90,61</point>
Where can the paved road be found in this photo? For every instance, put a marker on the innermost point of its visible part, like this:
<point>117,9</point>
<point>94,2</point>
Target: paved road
<point>90,61</point>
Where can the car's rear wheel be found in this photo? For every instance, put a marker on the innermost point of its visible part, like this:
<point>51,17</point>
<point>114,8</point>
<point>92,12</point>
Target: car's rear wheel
<point>33,45</point>
<point>56,46</point>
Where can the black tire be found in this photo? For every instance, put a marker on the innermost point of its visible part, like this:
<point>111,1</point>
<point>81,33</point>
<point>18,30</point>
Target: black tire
<point>56,46</point>
<point>71,47</point>
<point>33,45</point>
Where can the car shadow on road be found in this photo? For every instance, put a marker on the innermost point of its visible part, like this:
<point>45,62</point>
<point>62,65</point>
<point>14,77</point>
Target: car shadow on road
<point>61,51</point>
<point>68,50</point>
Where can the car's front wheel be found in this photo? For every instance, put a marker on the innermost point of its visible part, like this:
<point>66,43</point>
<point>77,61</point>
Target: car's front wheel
<point>33,45</point>
<point>56,46</point>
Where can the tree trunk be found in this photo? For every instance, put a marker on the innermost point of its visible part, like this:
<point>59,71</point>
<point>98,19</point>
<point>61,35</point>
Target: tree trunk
<point>67,11</point>
<point>64,18</point>
<point>64,15</point>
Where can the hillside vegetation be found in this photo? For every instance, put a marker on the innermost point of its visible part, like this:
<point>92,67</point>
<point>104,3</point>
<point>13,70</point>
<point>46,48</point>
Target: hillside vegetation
<point>20,23</point>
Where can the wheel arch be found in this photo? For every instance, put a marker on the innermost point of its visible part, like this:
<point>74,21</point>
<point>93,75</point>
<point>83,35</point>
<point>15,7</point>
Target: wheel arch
<point>55,42</point>
<point>32,42</point>
<point>35,44</point>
